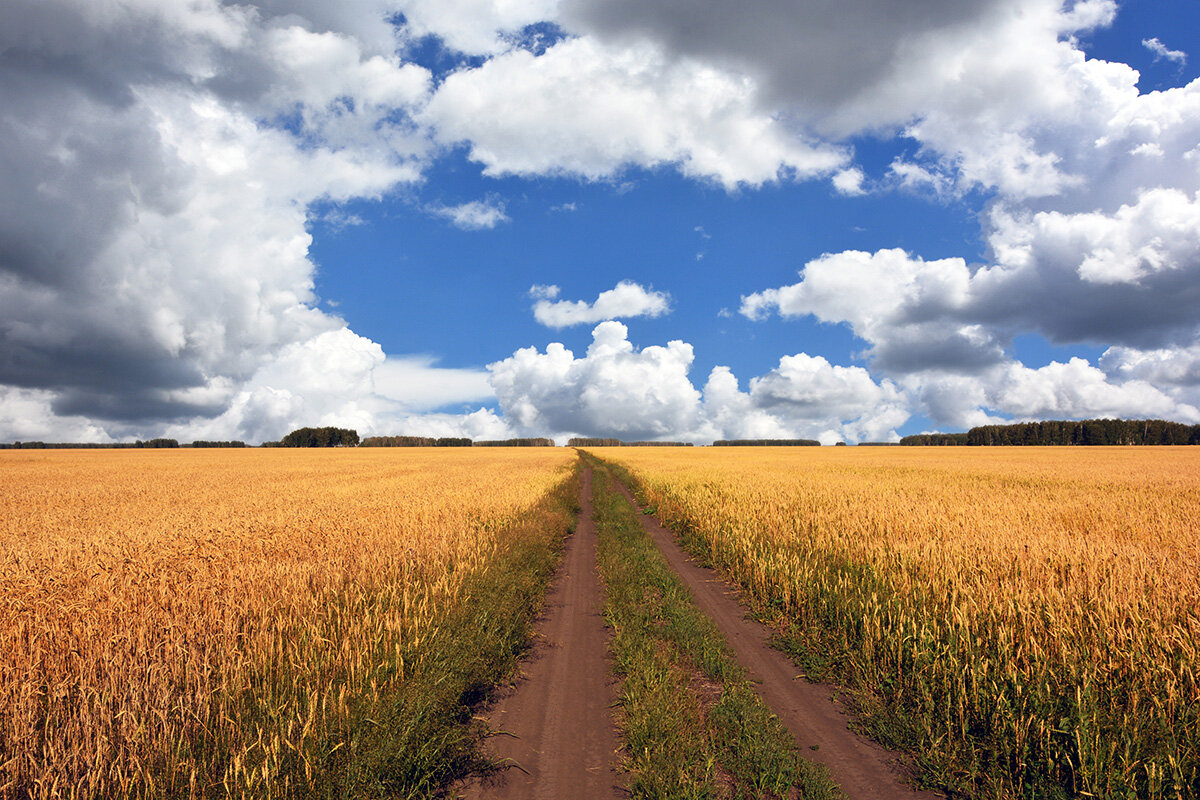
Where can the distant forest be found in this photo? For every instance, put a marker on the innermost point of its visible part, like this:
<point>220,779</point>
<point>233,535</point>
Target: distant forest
<point>766,443</point>
<point>1052,433</point>
<point>450,441</point>
<point>587,441</point>
<point>1075,432</point>
<point>152,444</point>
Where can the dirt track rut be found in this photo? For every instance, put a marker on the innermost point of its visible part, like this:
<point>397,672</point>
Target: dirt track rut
<point>864,770</point>
<point>557,722</point>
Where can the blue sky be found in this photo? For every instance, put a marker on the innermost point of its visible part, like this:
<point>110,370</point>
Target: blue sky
<point>852,227</point>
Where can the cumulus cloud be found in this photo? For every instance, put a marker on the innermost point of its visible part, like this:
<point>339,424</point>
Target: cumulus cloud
<point>340,378</point>
<point>944,330</point>
<point>806,397</point>
<point>476,215</point>
<point>1071,390</point>
<point>1092,233</point>
<point>913,317</point>
<point>584,109</point>
<point>153,226</point>
<point>627,299</point>
<point>1177,367</point>
<point>1130,278</point>
<point>903,59</point>
<point>616,390</point>
<point>998,94</point>
<point>162,159</point>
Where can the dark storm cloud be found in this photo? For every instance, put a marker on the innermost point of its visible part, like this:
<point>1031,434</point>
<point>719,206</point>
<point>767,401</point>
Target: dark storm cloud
<point>1159,310</point>
<point>943,347</point>
<point>816,54</point>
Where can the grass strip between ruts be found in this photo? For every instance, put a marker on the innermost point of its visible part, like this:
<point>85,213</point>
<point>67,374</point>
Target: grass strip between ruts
<point>693,725</point>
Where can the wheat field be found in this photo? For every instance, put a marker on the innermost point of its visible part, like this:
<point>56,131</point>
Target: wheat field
<point>236,622</point>
<point>1032,614</point>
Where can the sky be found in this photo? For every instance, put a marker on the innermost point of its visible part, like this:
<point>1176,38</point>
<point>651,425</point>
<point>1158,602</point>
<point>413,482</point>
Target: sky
<point>682,220</point>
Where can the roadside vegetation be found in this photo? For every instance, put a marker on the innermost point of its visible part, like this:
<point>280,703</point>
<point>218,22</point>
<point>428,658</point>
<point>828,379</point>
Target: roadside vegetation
<point>1024,621</point>
<point>693,725</point>
<point>264,624</point>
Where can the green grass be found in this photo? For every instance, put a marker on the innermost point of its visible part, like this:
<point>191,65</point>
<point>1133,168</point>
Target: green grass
<point>693,725</point>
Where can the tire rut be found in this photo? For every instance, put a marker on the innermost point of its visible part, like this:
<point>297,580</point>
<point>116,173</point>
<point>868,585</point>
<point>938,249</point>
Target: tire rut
<point>558,733</point>
<point>864,769</point>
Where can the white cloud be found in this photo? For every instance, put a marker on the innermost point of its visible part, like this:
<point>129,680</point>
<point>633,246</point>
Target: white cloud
<point>476,215</point>
<point>1160,50</point>
<point>1129,278</point>
<point>162,159</point>
<point>27,415</point>
<point>1076,389</point>
<point>849,182</point>
<point>917,178</point>
<point>340,378</point>
<point>1071,390</point>
<point>943,329</point>
<point>473,26</point>
<point>914,315</point>
<point>998,94</point>
<point>872,63</point>
<point>481,424</point>
<point>417,384</point>
<point>627,299</point>
<point>614,390</point>
<point>153,218</point>
<point>815,398</point>
<point>588,110</point>
<point>543,292</point>
<point>1169,368</point>
<point>617,390</point>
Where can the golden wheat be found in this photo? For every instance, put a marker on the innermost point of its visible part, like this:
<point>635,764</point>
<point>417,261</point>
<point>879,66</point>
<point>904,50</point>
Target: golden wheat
<point>187,623</point>
<point>1036,609</point>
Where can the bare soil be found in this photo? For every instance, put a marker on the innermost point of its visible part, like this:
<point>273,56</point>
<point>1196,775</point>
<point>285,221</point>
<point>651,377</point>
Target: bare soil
<point>556,724</point>
<point>811,711</point>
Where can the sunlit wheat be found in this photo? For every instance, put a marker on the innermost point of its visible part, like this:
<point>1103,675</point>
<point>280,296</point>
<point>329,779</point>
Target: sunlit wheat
<point>1036,609</point>
<point>178,623</point>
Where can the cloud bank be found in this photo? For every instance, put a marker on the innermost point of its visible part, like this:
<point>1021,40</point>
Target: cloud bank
<point>163,159</point>
<point>617,390</point>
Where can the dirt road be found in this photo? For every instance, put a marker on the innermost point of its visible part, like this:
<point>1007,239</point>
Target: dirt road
<point>863,769</point>
<point>558,720</point>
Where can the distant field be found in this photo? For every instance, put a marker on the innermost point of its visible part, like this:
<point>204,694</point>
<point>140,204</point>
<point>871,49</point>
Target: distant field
<point>1027,620</point>
<point>260,622</point>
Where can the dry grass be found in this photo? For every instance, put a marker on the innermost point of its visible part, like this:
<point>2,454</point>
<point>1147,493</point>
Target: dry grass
<point>187,623</point>
<point>1034,614</point>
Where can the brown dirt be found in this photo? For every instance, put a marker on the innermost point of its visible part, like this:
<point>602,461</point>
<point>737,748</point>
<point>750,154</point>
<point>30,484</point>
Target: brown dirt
<point>556,724</point>
<point>811,711</point>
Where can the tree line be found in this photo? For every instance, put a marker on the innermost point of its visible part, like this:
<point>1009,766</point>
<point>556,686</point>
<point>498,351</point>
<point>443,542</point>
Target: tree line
<point>592,441</point>
<point>766,443</point>
<point>148,444</point>
<point>1066,433</point>
<point>450,441</point>
<point>1049,433</point>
